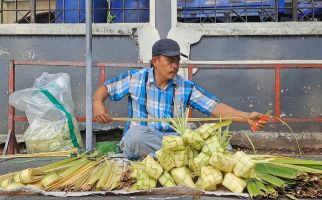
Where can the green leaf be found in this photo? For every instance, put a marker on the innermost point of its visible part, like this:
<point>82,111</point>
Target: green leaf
<point>105,147</point>
<point>260,185</point>
<point>298,161</point>
<point>277,170</point>
<point>301,169</point>
<point>275,181</point>
<point>253,189</point>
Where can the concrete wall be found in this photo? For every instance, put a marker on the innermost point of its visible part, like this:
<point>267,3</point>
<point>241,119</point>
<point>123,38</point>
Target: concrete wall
<point>245,89</point>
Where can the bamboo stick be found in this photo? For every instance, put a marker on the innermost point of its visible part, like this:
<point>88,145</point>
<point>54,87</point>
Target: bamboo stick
<point>44,154</point>
<point>124,119</point>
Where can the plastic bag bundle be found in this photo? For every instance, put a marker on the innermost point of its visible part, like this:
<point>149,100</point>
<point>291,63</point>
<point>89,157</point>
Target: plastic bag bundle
<point>50,112</point>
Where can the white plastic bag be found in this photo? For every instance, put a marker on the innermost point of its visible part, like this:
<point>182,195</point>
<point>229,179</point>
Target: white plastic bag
<point>50,111</point>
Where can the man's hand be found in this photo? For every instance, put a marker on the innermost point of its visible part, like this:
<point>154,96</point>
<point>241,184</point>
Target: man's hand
<point>101,114</point>
<point>257,121</point>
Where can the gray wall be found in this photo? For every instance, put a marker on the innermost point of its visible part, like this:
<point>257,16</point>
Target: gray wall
<point>245,89</point>
<point>253,90</point>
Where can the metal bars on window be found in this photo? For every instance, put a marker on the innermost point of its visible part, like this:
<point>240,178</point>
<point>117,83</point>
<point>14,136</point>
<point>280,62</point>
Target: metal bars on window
<point>223,11</point>
<point>73,11</point>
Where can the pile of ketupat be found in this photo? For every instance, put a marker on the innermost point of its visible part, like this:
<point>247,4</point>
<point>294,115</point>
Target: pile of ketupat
<point>200,159</point>
<point>90,171</point>
<point>196,158</point>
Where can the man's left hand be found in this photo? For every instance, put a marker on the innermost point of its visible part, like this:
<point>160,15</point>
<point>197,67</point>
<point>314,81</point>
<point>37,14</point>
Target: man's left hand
<point>256,121</point>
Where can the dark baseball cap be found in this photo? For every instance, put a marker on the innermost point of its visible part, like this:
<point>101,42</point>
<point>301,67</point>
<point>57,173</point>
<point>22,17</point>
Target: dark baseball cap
<point>167,47</point>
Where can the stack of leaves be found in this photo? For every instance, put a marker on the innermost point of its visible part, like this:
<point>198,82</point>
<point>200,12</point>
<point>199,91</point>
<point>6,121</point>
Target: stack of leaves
<point>273,176</point>
<point>89,171</point>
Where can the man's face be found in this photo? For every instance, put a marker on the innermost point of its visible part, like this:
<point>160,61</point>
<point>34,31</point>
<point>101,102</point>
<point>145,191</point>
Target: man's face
<point>165,66</point>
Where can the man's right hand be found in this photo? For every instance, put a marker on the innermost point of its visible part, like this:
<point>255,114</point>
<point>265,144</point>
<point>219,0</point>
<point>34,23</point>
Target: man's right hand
<point>101,114</point>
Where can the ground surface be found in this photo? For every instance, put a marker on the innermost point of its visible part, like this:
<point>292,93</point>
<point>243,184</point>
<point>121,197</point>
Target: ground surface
<point>11,165</point>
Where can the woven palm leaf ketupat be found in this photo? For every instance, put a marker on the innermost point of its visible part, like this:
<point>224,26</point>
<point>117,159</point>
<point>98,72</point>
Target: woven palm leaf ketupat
<point>180,158</point>
<point>211,177</point>
<point>143,181</point>
<point>149,166</point>
<point>243,165</point>
<point>182,177</point>
<point>165,160</point>
<point>224,162</point>
<point>201,160</point>
<point>166,180</point>
<point>233,183</point>
<point>212,145</point>
<point>192,154</point>
<point>194,139</point>
<point>173,143</point>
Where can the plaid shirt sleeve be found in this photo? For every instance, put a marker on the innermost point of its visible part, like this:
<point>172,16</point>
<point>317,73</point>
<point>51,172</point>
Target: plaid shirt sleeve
<point>118,87</point>
<point>202,100</point>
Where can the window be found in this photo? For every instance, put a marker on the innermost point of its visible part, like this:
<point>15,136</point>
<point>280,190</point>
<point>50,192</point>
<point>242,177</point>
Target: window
<point>73,11</point>
<point>223,11</point>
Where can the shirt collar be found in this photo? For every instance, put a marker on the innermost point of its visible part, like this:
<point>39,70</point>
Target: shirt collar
<point>151,77</point>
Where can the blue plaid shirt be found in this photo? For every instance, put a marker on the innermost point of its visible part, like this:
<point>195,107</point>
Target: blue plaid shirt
<point>147,100</point>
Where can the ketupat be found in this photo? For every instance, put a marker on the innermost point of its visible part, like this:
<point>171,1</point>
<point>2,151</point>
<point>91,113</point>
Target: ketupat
<point>210,129</point>
<point>166,180</point>
<point>212,145</point>
<point>194,139</point>
<point>199,184</point>
<point>201,160</point>
<point>244,164</point>
<point>233,183</point>
<point>149,166</point>
<point>182,177</point>
<point>143,181</point>
<point>173,143</point>
<point>223,162</point>
<point>42,137</point>
<point>180,158</point>
<point>165,160</point>
<point>206,130</point>
<point>211,177</point>
<point>192,154</point>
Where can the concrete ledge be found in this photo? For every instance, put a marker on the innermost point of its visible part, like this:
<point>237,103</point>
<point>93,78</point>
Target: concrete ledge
<point>278,141</point>
<point>219,29</point>
<point>70,29</point>
<point>253,28</point>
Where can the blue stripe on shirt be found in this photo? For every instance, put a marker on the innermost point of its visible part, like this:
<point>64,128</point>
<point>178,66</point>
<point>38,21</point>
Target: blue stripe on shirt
<point>140,84</point>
